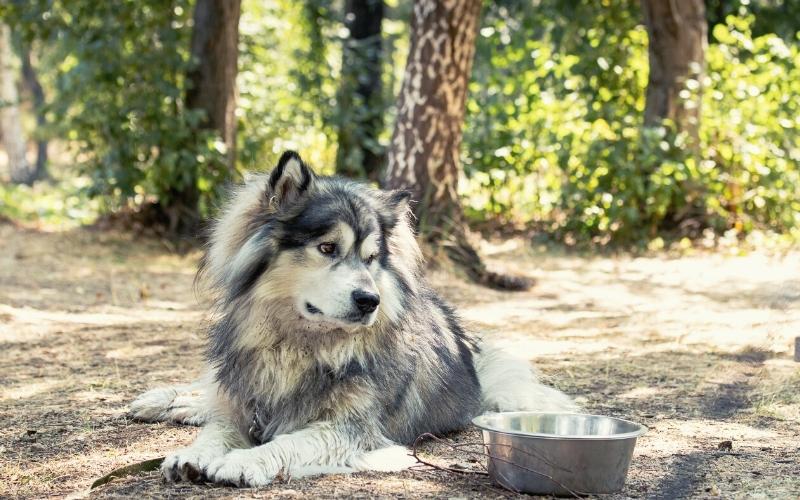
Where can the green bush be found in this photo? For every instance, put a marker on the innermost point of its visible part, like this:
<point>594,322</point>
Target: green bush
<point>119,96</point>
<point>286,86</point>
<point>751,132</point>
<point>553,138</point>
<point>555,135</point>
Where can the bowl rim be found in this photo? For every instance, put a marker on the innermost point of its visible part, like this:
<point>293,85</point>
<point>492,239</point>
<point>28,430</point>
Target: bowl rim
<point>480,423</point>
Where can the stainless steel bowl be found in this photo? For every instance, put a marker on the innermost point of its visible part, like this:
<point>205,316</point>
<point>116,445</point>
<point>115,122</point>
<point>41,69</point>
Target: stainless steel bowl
<point>558,453</point>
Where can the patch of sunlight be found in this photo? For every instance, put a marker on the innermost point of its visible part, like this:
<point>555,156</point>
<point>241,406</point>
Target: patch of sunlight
<point>734,330</point>
<point>529,348</point>
<point>670,437</point>
<point>731,430</point>
<point>556,314</point>
<point>644,393</point>
<point>91,396</point>
<point>490,248</point>
<point>24,391</point>
<point>499,312</point>
<point>779,411</point>
<point>113,316</point>
<point>167,305</point>
<point>28,295</point>
<point>129,352</point>
<point>83,272</point>
<point>173,264</point>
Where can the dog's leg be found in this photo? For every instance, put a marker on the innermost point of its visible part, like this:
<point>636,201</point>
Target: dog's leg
<point>320,448</point>
<point>216,438</point>
<point>510,384</point>
<point>183,404</point>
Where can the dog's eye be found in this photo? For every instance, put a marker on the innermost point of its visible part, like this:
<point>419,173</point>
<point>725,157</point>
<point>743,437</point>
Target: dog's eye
<point>327,248</point>
<point>370,259</point>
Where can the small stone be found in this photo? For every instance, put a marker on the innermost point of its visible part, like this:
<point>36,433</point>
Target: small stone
<point>725,445</point>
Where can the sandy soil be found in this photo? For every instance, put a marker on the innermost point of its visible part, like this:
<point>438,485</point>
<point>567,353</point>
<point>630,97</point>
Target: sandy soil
<point>697,348</point>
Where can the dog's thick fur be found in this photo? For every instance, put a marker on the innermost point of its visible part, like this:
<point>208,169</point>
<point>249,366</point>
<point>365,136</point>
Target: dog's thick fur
<point>307,373</point>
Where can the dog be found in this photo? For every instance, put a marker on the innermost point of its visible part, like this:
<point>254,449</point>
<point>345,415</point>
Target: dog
<point>327,350</point>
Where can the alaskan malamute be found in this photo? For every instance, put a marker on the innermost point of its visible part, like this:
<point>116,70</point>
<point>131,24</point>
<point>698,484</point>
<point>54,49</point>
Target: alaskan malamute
<point>327,349</point>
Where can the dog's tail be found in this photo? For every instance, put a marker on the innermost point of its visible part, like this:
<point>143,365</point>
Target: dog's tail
<point>182,404</point>
<point>510,384</point>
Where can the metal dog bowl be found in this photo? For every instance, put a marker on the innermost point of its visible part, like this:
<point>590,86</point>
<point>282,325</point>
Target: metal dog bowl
<point>558,453</point>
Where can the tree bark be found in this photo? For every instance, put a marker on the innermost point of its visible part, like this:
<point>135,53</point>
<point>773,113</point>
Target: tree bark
<point>677,30</point>
<point>424,154</point>
<point>215,48</point>
<point>37,93</point>
<point>212,89</point>
<point>361,110</point>
<point>426,143</point>
<point>10,125</point>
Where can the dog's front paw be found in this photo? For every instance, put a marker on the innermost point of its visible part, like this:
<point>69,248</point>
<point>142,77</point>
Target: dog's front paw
<point>243,468</point>
<point>190,464</point>
<point>152,406</point>
<point>168,405</point>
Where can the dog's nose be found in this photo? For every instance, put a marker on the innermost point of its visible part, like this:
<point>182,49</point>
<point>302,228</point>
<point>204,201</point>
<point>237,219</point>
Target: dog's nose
<point>366,301</point>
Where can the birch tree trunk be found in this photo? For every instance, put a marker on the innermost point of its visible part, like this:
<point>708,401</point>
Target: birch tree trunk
<point>678,36</point>
<point>425,148</point>
<point>426,143</point>
<point>10,125</point>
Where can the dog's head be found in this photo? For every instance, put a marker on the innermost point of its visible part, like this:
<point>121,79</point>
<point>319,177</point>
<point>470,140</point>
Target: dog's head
<point>339,253</point>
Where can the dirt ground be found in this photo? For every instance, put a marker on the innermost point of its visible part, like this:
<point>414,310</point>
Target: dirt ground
<point>696,348</point>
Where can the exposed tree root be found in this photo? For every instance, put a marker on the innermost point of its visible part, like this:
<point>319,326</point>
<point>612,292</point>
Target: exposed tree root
<point>460,251</point>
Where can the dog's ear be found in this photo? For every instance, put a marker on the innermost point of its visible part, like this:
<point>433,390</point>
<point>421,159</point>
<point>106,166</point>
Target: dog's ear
<point>399,199</point>
<point>396,206</point>
<point>290,182</point>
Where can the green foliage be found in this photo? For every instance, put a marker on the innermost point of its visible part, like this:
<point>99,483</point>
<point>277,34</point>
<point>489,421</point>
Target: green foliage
<point>60,204</point>
<point>555,135</point>
<point>777,17</point>
<point>120,97</point>
<point>286,84</point>
<point>752,128</point>
<point>289,80</point>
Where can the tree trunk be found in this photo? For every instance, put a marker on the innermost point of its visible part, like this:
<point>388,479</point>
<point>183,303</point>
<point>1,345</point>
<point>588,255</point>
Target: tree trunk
<point>215,48</point>
<point>424,154</point>
<point>212,89</point>
<point>678,36</point>
<point>10,125</point>
<point>35,88</point>
<point>360,99</point>
<point>425,148</point>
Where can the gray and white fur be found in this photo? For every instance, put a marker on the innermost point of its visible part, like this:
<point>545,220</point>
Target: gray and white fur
<point>327,349</point>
